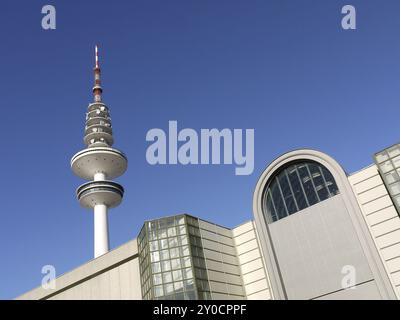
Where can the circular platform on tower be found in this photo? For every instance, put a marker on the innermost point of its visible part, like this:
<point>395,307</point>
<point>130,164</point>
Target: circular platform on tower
<point>109,161</point>
<point>100,192</point>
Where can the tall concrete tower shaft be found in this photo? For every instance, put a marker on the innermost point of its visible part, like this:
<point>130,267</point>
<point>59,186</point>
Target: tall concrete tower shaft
<point>99,163</point>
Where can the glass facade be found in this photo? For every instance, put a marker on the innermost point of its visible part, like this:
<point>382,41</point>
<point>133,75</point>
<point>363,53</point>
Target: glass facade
<point>388,163</point>
<point>171,260</point>
<point>296,187</point>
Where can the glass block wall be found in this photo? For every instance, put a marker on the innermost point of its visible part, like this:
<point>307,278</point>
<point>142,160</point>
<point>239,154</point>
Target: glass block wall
<point>171,260</point>
<point>388,163</point>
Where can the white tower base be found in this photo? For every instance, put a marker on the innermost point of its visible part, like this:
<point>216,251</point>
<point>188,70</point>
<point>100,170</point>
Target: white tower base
<point>101,244</point>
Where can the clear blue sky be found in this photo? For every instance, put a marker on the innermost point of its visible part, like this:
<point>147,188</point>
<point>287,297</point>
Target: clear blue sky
<point>284,68</point>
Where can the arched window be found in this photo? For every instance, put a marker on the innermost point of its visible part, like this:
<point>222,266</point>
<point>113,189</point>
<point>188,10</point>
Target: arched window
<point>296,187</point>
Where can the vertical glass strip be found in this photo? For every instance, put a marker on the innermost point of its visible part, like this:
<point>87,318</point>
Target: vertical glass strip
<point>388,161</point>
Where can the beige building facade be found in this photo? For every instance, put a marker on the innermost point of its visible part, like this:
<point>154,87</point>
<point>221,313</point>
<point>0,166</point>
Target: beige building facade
<point>317,233</point>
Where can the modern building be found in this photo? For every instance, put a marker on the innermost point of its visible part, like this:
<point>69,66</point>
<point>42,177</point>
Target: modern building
<point>318,233</point>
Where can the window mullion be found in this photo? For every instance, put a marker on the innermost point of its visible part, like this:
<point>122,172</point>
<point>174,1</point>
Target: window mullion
<point>312,182</point>
<point>283,198</point>
<point>273,204</point>
<point>325,183</point>
<point>291,190</point>
<point>302,187</point>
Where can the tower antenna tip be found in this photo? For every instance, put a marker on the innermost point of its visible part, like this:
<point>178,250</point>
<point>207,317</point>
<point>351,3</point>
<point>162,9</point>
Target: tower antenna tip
<point>97,56</point>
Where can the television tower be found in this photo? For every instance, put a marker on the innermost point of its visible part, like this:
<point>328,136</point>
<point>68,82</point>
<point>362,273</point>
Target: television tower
<point>99,163</point>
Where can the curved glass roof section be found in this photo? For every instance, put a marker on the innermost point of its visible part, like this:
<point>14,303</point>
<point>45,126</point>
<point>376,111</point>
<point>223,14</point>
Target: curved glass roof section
<point>296,187</point>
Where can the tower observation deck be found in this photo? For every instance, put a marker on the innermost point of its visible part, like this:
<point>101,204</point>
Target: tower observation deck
<point>99,163</point>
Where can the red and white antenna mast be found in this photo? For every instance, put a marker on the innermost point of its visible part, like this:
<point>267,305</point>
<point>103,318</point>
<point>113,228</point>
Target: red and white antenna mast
<point>97,89</point>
